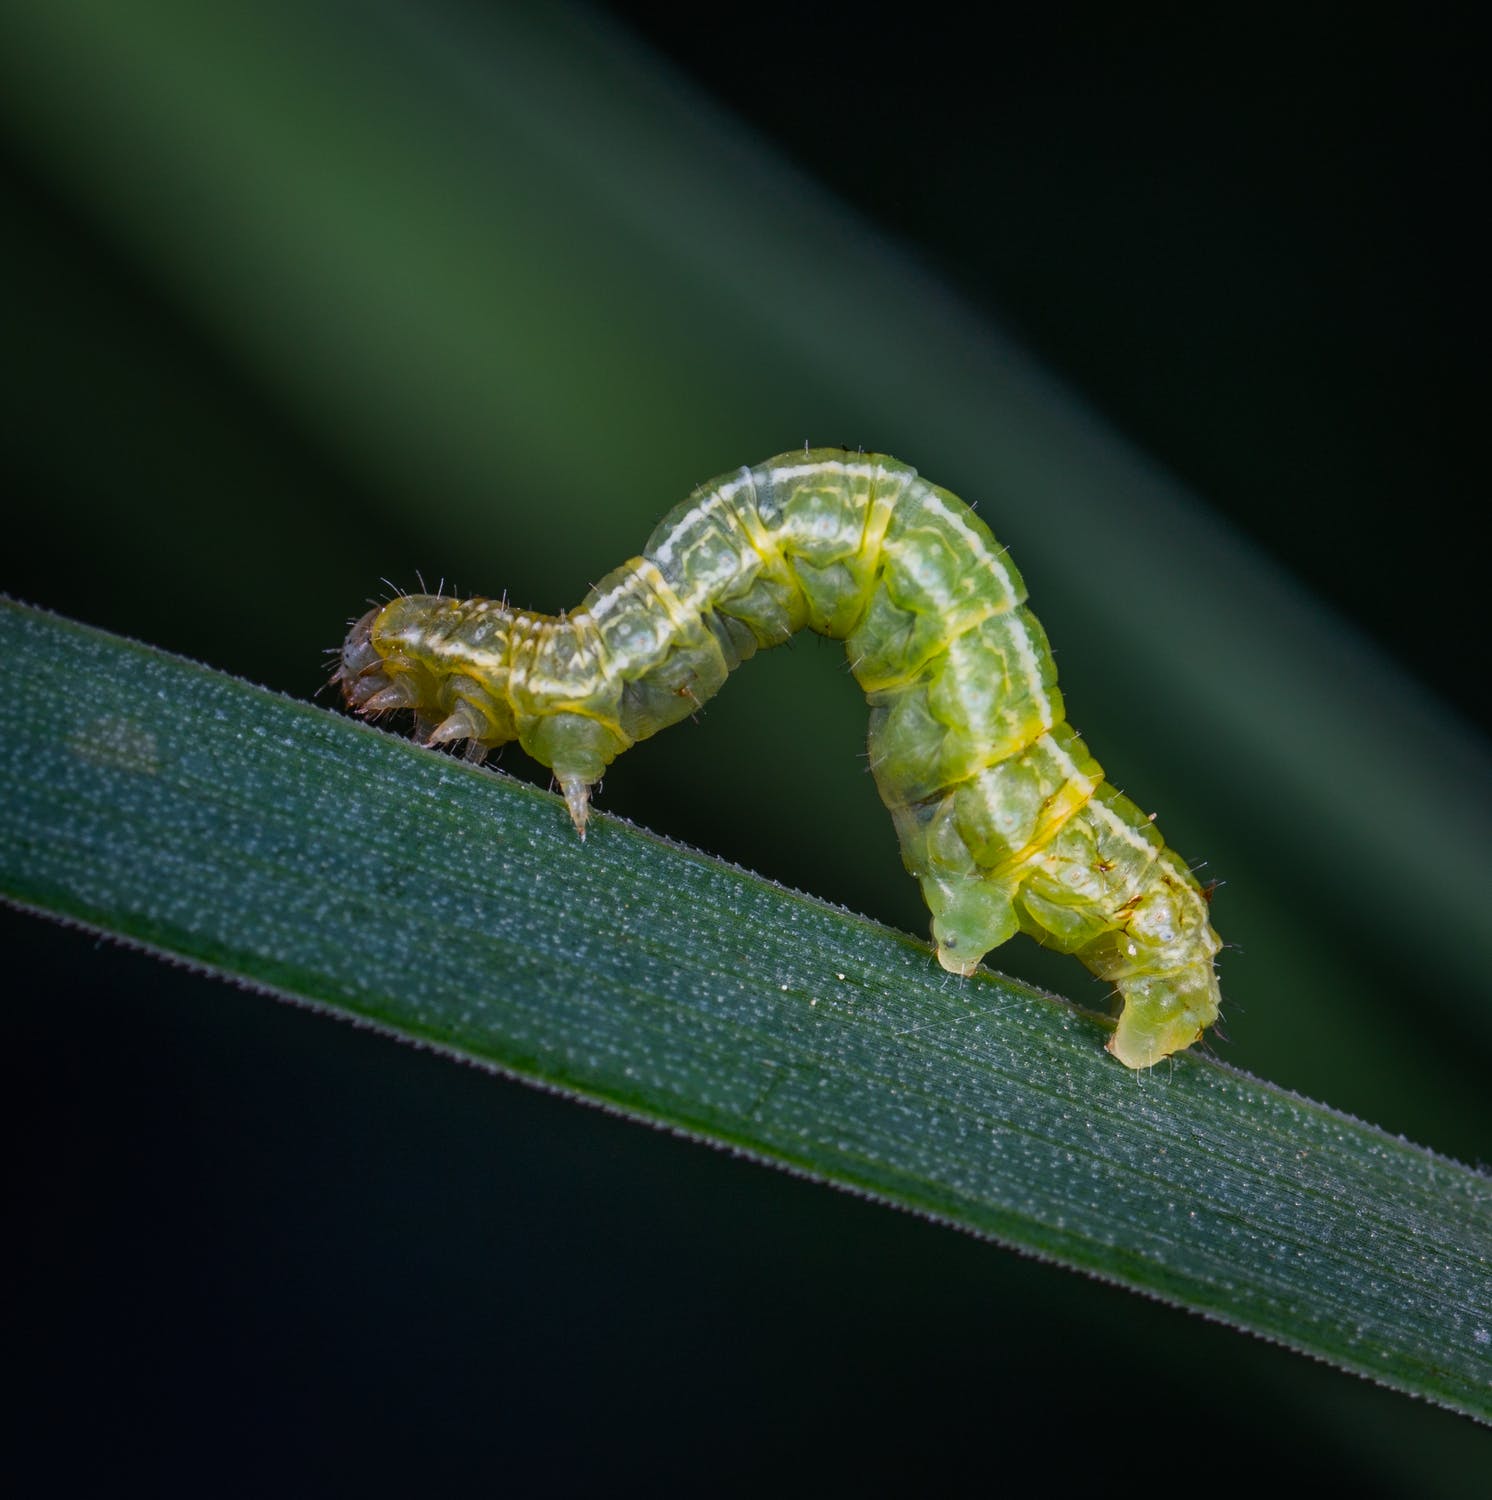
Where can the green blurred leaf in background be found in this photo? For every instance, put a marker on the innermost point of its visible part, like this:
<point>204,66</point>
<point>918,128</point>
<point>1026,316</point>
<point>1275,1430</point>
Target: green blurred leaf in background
<point>303,296</point>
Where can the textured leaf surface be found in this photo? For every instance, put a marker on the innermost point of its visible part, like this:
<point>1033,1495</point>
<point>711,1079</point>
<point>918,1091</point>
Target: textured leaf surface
<point>297,852</point>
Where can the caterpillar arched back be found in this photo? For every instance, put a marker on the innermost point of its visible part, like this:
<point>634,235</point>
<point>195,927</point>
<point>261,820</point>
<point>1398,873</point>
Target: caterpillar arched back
<point>1003,815</point>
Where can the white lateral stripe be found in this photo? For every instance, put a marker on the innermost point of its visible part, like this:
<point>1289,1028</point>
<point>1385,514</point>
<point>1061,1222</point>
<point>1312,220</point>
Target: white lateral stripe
<point>971,538</point>
<point>1031,666</point>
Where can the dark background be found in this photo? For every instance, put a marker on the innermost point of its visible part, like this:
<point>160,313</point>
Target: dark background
<point>1255,242</point>
<point>261,1248</point>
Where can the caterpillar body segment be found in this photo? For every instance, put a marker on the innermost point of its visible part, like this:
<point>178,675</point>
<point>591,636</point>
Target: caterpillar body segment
<point>1002,813</point>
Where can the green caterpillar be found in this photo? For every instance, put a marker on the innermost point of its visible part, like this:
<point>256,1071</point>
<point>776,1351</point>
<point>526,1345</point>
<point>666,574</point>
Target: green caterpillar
<point>1004,817</point>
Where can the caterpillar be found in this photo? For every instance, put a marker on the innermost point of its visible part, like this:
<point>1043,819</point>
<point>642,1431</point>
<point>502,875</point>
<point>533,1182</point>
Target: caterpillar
<point>1003,815</point>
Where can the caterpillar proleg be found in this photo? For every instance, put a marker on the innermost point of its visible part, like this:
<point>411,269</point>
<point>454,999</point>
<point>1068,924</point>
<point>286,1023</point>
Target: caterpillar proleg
<point>1003,815</point>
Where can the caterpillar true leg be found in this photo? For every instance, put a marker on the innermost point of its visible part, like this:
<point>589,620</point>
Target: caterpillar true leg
<point>1003,815</point>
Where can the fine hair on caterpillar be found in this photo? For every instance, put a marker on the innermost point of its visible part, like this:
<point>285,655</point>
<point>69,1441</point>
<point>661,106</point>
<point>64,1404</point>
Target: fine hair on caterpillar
<point>1003,815</point>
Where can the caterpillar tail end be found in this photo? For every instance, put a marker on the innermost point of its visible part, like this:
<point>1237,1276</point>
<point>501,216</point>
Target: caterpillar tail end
<point>1163,1014</point>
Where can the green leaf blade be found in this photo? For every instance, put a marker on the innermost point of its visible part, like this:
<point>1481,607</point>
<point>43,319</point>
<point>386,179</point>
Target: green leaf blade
<point>295,851</point>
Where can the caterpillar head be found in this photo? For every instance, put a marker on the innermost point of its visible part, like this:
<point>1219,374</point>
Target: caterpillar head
<point>476,671</point>
<point>447,660</point>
